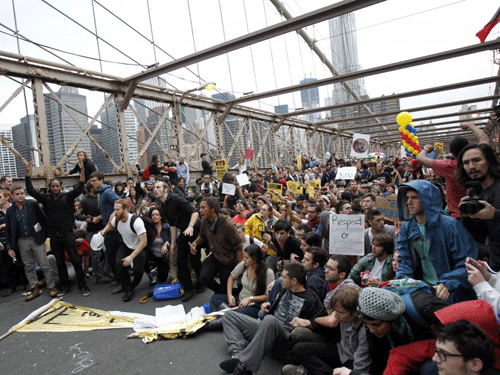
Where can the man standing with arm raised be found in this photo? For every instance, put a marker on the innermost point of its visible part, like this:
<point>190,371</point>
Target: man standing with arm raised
<point>58,206</point>
<point>180,215</point>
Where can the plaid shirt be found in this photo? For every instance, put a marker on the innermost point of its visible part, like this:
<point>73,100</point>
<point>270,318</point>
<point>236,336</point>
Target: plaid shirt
<point>367,263</point>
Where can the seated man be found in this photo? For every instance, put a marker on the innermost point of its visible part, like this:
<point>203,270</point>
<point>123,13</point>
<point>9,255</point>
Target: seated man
<point>282,246</point>
<point>375,268</point>
<point>250,339</point>
<point>375,221</point>
<point>433,247</point>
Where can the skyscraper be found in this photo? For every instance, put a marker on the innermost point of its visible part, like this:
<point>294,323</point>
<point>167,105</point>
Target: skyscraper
<point>344,44</point>
<point>310,99</point>
<point>62,129</point>
<point>110,135</point>
<point>24,137</point>
<point>7,158</point>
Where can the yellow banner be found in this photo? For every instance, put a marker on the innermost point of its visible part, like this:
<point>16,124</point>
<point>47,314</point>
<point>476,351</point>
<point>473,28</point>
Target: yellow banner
<point>66,317</point>
<point>315,183</point>
<point>299,163</point>
<point>310,191</point>
<point>295,187</point>
<point>277,188</point>
<point>220,168</point>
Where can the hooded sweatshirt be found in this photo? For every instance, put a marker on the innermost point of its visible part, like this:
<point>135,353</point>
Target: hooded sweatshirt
<point>406,358</point>
<point>449,242</point>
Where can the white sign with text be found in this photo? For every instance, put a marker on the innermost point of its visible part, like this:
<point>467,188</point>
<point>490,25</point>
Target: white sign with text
<point>346,173</point>
<point>347,234</point>
<point>228,189</point>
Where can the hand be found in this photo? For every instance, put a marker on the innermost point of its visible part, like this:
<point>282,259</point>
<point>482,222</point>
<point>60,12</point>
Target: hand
<point>429,147</point>
<point>397,226</point>
<point>487,213</point>
<point>374,282</point>
<point>192,248</point>
<point>189,231</point>
<point>173,249</point>
<point>127,261</point>
<point>245,301</point>
<point>29,168</point>
<point>11,253</point>
<point>481,266</point>
<point>175,280</point>
<point>475,275</point>
<point>82,167</point>
<point>442,291</point>
<point>231,300</point>
<point>96,219</point>
<point>294,258</point>
<point>464,125</point>
<point>267,237</point>
<point>341,371</point>
<point>299,322</point>
<point>265,307</point>
<point>270,286</point>
<point>264,249</point>
<point>164,249</point>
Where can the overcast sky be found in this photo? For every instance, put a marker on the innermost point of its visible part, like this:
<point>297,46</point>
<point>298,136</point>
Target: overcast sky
<point>388,32</point>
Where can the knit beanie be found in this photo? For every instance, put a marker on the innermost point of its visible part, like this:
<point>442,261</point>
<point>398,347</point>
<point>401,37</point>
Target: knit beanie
<point>380,304</point>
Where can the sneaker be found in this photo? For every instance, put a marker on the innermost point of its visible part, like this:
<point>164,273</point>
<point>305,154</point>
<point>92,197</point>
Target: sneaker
<point>214,325</point>
<point>85,291</point>
<point>293,370</point>
<point>187,296</point>
<point>64,290</point>
<point>104,280</point>
<point>229,364</point>
<point>128,296</point>
<point>241,369</point>
<point>34,293</point>
<point>152,275</point>
<point>53,292</point>
<point>117,290</point>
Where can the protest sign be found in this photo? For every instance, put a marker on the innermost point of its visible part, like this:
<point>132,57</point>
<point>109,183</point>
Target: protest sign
<point>346,173</point>
<point>228,189</point>
<point>347,234</point>
<point>389,207</point>
<point>360,145</point>
<point>249,154</point>
<point>243,179</point>
<point>315,183</point>
<point>440,146</point>
<point>299,163</point>
<point>294,186</point>
<point>220,168</point>
<point>277,188</point>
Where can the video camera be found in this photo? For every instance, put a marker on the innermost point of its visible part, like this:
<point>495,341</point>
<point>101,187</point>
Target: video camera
<point>472,206</point>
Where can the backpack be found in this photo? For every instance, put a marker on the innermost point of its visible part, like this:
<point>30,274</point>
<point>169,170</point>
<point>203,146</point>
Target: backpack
<point>151,231</point>
<point>167,291</point>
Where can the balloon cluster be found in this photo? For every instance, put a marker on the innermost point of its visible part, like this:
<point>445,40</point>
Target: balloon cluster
<point>408,133</point>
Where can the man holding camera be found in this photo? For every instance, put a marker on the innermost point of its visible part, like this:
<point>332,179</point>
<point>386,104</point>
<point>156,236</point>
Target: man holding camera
<point>479,169</point>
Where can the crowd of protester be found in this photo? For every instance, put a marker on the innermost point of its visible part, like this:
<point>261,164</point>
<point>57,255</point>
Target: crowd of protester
<point>425,295</point>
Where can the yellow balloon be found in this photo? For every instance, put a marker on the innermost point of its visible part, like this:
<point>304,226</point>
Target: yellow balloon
<point>401,129</point>
<point>415,152</point>
<point>406,132</point>
<point>403,119</point>
<point>411,149</point>
<point>411,135</point>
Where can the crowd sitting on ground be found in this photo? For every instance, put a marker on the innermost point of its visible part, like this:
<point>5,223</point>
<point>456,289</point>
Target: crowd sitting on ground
<point>425,295</point>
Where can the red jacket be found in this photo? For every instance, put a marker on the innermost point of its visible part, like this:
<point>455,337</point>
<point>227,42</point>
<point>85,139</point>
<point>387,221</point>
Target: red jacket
<point>406,358</point>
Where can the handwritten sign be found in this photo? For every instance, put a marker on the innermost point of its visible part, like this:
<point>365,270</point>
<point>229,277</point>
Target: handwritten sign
<point>243,179</point>
<point>294,186</point>
<point>277,188</point>
<point>347,234</point>
<point>220,168</point>
<point>388,206</point>
<point>228,189</point>
<point>346,173</point>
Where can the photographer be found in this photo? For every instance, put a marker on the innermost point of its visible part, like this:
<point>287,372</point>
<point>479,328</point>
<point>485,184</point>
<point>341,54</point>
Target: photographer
<point>479,169</point>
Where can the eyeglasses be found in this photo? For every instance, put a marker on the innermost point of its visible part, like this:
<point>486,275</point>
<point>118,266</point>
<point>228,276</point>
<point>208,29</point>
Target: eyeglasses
<point>443,356</point>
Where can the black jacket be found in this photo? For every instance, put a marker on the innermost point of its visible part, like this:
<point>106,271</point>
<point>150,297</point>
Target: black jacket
<point>35,215</point>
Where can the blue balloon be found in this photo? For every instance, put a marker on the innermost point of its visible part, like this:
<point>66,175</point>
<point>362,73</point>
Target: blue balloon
<point>409,127</point>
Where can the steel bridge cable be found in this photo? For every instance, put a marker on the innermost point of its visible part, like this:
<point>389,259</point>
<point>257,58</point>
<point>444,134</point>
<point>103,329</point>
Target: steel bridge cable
<point>270,50</point>
<point>152,36</point>
<point>150,41</point>
<point>194,40</point>
<point>251,52</point>
<point>106,42</point>
<point>227,54</point>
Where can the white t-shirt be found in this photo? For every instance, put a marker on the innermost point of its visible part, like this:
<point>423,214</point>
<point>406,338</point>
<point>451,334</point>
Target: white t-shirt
<point>376,271</point>
<point>130,238</point>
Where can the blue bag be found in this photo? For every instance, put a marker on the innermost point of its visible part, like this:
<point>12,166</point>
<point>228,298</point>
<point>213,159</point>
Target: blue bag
<point>168,291</point>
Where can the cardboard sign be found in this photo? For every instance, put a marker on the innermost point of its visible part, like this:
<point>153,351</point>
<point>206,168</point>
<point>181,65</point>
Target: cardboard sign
<point>277,188</point>
<point>220,168</point>
<point>243,179</point>
<point>388,206</point>
<point>295,187</point>
<point>347,234</point>
<point>346,173</point>
<point>228,189</point>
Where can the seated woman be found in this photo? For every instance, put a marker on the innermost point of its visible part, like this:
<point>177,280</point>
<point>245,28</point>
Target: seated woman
<point>254,277</point>
<point>377,267</point>
<point>158,259</point>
